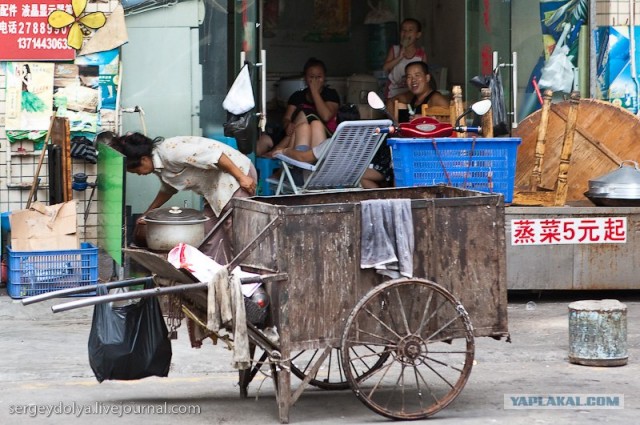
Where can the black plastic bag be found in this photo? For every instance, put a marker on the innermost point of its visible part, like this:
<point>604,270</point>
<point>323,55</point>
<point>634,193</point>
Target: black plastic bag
<point>240,128</point>
<point>129,342</point>
<point>348,112</point>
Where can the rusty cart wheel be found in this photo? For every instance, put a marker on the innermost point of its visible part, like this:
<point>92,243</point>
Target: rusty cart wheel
<point>331,376</point>
<point>427,338</point>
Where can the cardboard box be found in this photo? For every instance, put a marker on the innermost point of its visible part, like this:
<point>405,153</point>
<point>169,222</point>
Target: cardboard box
<point>45,228</point>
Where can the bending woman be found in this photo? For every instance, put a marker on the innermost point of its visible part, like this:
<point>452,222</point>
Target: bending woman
<point>205,166</point>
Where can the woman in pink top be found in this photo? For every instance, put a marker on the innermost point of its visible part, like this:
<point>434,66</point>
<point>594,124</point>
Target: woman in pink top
<point>400,56</point>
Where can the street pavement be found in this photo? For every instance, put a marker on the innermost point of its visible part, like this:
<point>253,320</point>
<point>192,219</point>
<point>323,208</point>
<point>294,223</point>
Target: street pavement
<point>44,365</point>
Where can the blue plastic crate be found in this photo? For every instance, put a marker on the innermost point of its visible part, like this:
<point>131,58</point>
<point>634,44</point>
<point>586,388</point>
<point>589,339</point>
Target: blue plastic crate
<point>482,164</point>
<point>36,272</point>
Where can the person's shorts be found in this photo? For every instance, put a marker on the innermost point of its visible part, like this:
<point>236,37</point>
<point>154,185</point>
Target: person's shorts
<point>276,132</point>
<point>383,164</point>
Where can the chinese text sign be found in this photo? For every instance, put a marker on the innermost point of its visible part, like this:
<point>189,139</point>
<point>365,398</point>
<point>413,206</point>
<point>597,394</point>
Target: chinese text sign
<point>581,230</point>
<point>26,35</point>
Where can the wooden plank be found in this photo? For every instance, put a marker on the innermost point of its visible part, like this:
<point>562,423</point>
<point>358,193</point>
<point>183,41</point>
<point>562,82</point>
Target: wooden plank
<point>536,175</point>
<point>567,149</point>
<point>66,161</point>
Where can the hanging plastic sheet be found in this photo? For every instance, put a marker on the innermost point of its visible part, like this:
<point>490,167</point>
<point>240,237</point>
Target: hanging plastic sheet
<point>239,104</point>
<point>557,72</point>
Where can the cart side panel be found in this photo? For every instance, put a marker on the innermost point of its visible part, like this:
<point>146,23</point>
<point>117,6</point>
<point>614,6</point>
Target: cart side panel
<point>459,245</point>
<point>318,247</point>
<point>321,262</point>
<point>468,251</point>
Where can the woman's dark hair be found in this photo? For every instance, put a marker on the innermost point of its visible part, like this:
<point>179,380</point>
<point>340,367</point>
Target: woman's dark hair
<point>421,64</point>
<point>311,62</point>
<point>132,145</point>
<point>414,22</point>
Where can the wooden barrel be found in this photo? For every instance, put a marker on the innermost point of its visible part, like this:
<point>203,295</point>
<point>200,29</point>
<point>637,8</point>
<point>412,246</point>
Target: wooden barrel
<point>598,333</point>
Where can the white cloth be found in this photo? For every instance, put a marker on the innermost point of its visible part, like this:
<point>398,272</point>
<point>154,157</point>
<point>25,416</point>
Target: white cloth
<point>225,307</point>
<point>191,163</point>
<point>387,237</point>
<point>225,301</point>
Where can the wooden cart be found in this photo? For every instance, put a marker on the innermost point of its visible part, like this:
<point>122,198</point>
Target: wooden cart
<point>405,347</point>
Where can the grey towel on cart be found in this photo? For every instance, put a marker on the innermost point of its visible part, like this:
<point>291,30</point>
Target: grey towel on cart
<point>225,306</point>
<point>387,240</point>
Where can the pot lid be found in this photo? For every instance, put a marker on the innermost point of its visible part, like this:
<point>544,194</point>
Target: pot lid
<point>176,215</point>
<point>621,183</point>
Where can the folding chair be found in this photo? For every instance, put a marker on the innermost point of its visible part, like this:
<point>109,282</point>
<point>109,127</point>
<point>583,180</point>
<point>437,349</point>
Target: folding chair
<point>343,162</point>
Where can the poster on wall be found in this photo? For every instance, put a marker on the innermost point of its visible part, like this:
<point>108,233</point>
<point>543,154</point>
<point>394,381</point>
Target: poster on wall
<point>614,80</point>
<point>25,34</point>
<point>108,64</point>
<point>76,90</point>
<point>29,95</point>
<point>331,21</point>
<point>561,22</point>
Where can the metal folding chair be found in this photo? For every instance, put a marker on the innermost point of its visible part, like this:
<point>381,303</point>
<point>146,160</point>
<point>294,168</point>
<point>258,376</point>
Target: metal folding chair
<point>342,164</point>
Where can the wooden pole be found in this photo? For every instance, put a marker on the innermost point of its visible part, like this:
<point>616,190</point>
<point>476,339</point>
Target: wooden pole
<point>536,175</point>
<point>567,148</point>
<point>458,105</point>
<point>67,170</point>
<point>36,175</point>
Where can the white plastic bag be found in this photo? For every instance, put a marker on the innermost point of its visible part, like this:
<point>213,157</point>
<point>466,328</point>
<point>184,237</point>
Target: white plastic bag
<point>557,73</point>
<point>240,96</point>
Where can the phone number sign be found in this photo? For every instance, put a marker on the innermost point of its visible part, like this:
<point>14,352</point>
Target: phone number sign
<point>556,231</point>
<point>25,33</point>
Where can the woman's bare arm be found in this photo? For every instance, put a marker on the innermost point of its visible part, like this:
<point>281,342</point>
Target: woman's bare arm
<point>246,182</point>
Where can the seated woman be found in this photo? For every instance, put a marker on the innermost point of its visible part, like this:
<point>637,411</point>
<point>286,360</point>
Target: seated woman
<point>420,92</point>
<point>311,114</point>
<point>379,174</point>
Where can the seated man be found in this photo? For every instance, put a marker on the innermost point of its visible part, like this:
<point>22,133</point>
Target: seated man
<point>420,91</point>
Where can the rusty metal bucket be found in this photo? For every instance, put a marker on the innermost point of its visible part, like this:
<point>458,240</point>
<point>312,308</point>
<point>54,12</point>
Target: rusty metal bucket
<point>598,333</point>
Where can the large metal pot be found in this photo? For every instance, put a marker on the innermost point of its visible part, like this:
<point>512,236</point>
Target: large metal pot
<point>620,187</point>
<point>167,227</point>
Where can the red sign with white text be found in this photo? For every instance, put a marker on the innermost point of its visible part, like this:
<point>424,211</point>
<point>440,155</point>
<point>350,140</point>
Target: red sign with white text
<point>556,231</point>
<point>25,34</point>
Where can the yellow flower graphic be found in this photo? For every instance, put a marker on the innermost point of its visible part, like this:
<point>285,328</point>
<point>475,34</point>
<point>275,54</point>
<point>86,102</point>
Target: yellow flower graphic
<point>61,19</point>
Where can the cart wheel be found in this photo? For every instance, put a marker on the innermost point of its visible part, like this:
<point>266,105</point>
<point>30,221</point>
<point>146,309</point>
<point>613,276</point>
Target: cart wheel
<point>428,339</point>
<point>331,376</point>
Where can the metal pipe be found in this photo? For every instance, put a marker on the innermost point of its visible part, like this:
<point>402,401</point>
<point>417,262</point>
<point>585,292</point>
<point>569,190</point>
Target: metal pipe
<point>214,228</point>
<point>145,293</point>
<point>632,54</point>
<point>263,87</point>
<point>153,292</point>
<point>514,88</point>
<point>88,288</point>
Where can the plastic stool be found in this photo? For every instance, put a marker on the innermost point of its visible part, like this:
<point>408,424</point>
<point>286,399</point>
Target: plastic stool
<point>265,168</point>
